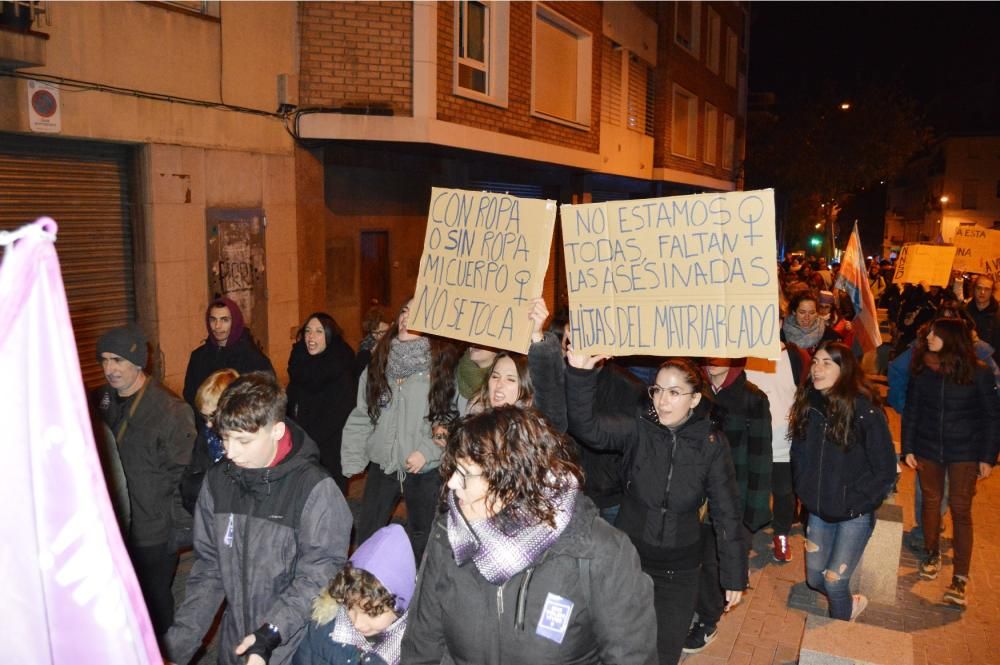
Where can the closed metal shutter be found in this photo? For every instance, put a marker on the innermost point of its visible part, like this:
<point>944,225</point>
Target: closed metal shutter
<point>84,187</point>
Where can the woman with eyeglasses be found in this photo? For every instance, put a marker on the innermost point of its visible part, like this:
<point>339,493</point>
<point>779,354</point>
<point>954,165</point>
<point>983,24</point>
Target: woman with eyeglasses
<point>673,461</point>
<point>407,388</point>
<point>520,569</point>
<point>322,387</point>
<point>843,466</point>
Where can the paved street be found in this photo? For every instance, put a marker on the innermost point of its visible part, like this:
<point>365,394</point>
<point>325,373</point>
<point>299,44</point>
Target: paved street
<point>767,626</point>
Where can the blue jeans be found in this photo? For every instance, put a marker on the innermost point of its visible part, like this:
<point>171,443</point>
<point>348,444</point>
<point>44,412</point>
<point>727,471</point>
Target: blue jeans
<point>833,550</point>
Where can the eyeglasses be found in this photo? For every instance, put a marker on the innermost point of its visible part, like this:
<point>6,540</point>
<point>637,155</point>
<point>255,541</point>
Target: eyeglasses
<point>463,476</point>
<point>656,392</point>
<point>441,437</point>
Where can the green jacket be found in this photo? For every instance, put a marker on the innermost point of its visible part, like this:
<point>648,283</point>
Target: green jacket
<point>401,429</point>
<point>745,419</point>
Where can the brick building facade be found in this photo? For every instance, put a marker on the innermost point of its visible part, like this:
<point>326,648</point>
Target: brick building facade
<point>574,101</point>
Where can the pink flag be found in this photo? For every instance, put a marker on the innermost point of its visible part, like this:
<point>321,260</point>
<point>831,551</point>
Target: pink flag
<point>70,595</point>
<point>854,280</point>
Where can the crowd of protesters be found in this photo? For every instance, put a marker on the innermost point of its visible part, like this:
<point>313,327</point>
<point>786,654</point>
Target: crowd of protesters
<point>560,507</point>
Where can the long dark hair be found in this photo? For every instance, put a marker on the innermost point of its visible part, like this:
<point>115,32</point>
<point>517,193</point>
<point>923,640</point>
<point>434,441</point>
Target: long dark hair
<point>957,357</point>
<point>444,360</point>
<point>521,455</point>
<point>331,330</point>
<point>851,384</point>
<point>525,388</point>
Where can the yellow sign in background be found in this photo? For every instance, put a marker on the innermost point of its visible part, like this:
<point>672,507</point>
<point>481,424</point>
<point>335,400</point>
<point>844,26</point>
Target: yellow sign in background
<point>484,260</point>
<point>930,264</point>
<point>977,249</point>
<point>686,275</point>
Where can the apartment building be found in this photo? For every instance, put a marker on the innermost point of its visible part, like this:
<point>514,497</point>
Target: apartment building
<point>954,183</point>
<point>572,101</point>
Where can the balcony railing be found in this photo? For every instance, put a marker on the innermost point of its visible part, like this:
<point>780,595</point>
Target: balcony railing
<point>24,15</point>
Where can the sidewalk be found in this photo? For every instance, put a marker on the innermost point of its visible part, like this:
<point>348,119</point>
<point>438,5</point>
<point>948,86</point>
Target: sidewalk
<point>767,626</point>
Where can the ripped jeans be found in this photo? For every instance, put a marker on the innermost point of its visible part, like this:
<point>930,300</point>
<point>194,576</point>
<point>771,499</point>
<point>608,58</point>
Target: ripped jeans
<point>833,550</point>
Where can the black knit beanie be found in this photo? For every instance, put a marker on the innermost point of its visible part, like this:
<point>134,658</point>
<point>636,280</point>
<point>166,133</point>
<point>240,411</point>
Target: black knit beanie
<point>126,341</point>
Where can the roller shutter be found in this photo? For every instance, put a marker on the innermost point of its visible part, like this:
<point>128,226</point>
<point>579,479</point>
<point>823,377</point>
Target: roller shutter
<point>84,187</point>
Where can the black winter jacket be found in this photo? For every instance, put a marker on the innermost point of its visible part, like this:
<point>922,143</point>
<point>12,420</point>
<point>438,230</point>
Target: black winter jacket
<point>836,484</point>
<point>618,391</point>
<point>457,617</point>
<point>669,474</point>
<point>321,394</point>
<point>947,422</point>
<point>241,355</point>
<point>155,447</point>
<point>265,540</point>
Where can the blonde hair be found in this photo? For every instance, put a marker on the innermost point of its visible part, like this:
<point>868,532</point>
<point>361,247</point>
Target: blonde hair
<point>212,388</point>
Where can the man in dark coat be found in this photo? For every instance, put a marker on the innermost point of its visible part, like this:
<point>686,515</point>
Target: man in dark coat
<point>983,309</point>
<point>229,345</point>
<point>153,437</point>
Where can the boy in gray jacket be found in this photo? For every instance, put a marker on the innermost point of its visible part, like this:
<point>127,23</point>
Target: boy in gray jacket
<point>271,528</point>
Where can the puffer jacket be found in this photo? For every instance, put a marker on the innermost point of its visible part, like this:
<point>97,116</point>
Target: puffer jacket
<point>402,428</point>
<point>836,484</point>
<point>617,391</point>
<point>669,474</point>
<point>457,617</point>
<point>948,422</point>
<point>318,647</point>
<point>265,540</point>
<point>154,449</point>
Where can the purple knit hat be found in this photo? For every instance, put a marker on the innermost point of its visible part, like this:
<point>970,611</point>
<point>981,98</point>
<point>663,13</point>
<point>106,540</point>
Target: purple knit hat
<point>388,556</point>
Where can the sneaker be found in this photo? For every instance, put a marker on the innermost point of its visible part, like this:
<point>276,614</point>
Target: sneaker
<point>955,594</point>
<point>699,637</point>
<point>930,566</point>
<point>860,603</point>
<point>782,552</point>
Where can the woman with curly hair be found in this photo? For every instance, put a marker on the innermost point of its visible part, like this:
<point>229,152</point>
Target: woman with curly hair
<point>951,429</point>
<point>520,568</point>
<point>408,386</point>
<point>843,466</point>
<point>674,459</point>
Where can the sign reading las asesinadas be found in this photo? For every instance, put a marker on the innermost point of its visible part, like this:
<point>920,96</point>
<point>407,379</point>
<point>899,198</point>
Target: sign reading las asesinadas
<point>484,260</point>
<point>686,275</point>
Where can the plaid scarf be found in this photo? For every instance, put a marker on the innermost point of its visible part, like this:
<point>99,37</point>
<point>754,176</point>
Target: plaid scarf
<point>385,645</point>
<point>498,555</point>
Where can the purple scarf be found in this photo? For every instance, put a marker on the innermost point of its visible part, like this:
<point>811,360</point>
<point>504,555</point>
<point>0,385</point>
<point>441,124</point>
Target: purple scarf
<point>499,556</point>
<point>385,645</point>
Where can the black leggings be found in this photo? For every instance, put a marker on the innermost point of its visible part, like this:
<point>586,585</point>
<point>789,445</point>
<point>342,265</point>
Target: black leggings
<point>783,498</point>
<point>382,492</point>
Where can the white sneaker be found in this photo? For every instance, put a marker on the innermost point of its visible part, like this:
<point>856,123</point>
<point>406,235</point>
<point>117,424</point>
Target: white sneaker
<point>860,603</point>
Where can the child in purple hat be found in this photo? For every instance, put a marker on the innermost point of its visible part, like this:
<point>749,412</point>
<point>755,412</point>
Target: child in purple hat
<point>362,613</point>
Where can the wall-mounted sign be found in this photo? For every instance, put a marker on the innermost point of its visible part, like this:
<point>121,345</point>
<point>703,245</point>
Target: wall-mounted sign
<point>44,110</point>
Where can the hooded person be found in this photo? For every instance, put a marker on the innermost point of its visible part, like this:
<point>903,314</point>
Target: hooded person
<point>229,345</point>
<point>361,616</point>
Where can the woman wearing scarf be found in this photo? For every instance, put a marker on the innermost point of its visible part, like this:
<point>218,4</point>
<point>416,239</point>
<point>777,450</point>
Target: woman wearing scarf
<point>321,387</point>
<point>803,326</point>
<point>521,569</point>
<point>408,385</point>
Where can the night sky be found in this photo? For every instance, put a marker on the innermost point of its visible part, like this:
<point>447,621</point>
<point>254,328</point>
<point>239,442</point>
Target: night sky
<point>943,54</point>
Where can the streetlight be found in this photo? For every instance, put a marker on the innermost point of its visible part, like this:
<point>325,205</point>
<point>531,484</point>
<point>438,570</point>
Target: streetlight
<point>944,201</point>
<point>845,106</point>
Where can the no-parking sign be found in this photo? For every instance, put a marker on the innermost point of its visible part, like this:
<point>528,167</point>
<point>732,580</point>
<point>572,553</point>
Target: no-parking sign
<point>44,112</point>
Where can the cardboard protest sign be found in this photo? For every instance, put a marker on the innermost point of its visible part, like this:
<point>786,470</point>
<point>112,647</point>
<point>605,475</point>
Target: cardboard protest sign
<point>930,264</point>
<point>977,249</point>
<point>484,260</point>
<point>685,275</point>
